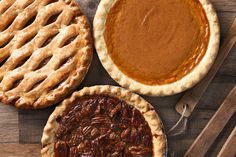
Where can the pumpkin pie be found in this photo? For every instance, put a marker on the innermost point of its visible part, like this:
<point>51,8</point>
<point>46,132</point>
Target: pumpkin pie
<point>45,51</point>
<point>103,121</point>
<point>156,47</point>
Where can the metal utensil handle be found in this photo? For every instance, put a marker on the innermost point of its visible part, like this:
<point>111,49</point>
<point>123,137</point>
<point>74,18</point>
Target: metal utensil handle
<point>192,96</point>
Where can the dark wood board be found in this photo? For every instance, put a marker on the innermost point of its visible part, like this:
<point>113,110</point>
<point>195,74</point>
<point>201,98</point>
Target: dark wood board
<point>21,130</point>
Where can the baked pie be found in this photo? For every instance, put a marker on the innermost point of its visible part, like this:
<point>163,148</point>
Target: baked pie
<point>45,51</point>
<point>103,121</point>
<point>156,47</point>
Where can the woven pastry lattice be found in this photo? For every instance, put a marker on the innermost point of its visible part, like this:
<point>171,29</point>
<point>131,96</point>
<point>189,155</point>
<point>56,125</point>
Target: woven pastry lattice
<point>45,51</point>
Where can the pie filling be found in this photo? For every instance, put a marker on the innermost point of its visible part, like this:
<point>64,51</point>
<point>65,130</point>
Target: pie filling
<point>156,41</point>
<point>99,125</point>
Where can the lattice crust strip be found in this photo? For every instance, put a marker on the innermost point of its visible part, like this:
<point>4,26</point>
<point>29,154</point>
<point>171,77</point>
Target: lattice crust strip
<point>45,51</point>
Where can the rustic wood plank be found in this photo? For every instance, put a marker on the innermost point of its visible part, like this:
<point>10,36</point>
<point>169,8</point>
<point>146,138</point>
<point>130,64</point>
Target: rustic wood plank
<point>89,7</point>
<point>225,19</point>
<point>20,150</point>
<point>8,124</point>
<point>213,128</point>
<point>221,139</point>
<point>229,147</point>
<point>224,5</point>
<point>229,66</point>
<point>197,122</point>
<point>31,124</point>
<point>216,92</point>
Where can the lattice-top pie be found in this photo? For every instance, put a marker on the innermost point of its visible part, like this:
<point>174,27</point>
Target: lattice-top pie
<point>45,51</point>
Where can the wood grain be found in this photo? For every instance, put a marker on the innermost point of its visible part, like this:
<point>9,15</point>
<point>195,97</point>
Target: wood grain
<point>32,123</point>
<point>20,150</point>
<point>224,5</point>
<point>9,131</point>
<point>228,150</point>
<point>214,127</point>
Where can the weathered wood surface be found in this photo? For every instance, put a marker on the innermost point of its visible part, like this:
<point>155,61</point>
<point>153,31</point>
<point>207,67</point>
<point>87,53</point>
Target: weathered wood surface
<point>228,148</point>
<point>20,150</point>
<point>213,128</point>
<point>21,130</point>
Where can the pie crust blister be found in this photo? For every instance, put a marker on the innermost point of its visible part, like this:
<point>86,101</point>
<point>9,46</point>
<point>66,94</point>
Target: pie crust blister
<point>45,51</point>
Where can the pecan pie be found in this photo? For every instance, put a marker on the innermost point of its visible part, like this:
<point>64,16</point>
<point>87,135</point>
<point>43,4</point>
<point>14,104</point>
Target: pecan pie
<point>156,47</point>
<point>103,121</point>
<point>45,51</point>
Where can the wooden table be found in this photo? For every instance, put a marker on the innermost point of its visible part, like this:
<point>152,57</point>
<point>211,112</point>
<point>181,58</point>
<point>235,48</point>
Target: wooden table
<point>20,130</point>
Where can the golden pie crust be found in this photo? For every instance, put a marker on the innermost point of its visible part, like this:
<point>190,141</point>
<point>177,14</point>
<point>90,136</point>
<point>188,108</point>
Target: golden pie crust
<point>181,79</point>
<point>45,51</point>
<point>159,142</point>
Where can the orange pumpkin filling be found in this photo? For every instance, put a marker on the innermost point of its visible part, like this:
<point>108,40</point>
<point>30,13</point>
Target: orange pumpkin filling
<point>156,41</point>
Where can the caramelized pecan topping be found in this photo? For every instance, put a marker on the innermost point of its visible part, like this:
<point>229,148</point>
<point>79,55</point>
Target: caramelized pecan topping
<point>102,126</point>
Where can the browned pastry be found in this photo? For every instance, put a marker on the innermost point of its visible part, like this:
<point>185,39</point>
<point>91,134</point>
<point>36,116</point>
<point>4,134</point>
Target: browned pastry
<point>103,121</point>
<point>45,51</point>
